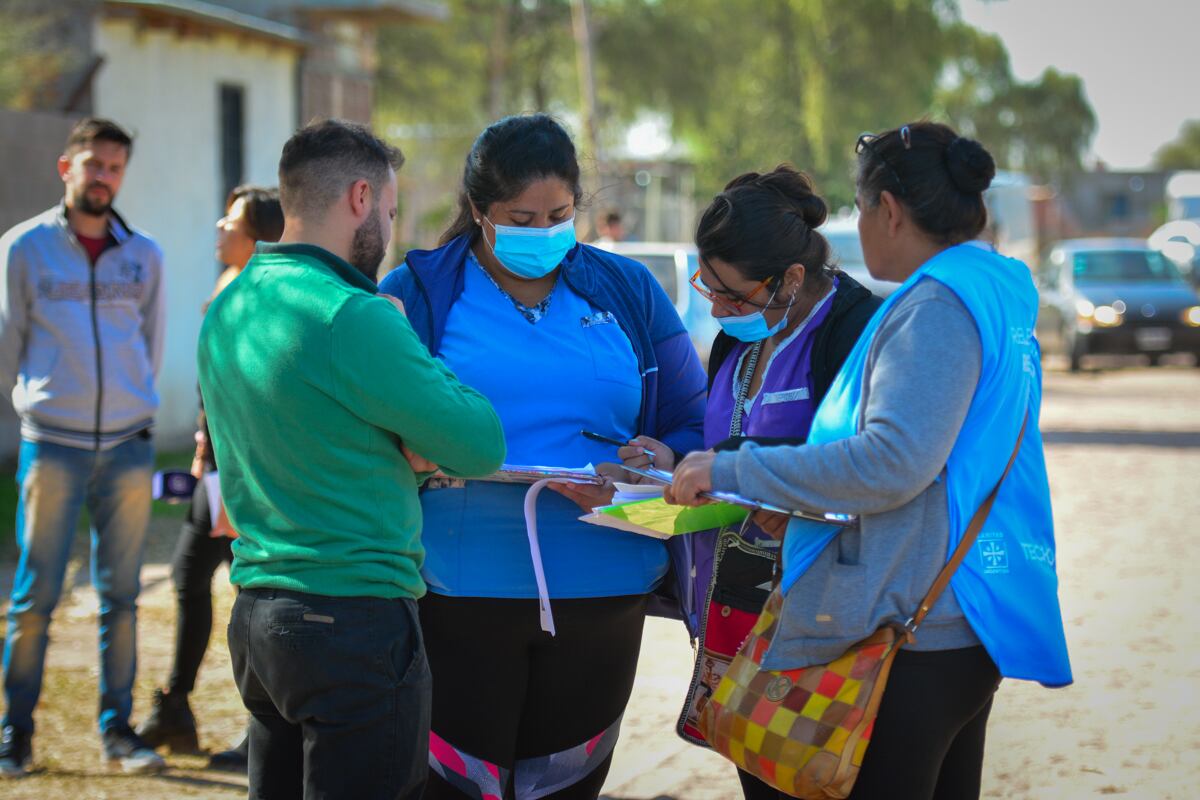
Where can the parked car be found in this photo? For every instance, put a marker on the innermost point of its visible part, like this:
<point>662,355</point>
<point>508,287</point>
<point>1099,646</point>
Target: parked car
<point>842,235</point>
<point>673,263</point>
<point>1179,240</point>
<point>1115,296</point>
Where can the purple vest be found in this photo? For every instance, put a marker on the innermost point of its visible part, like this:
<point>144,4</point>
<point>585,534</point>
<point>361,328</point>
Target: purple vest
<point>784,404</point>
<point>783,407</point>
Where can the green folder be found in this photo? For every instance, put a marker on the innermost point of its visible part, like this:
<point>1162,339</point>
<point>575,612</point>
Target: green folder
<point>655,517</point>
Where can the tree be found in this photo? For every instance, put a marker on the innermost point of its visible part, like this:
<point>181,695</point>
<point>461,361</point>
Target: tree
<point>31,66</point>
<point>751,84</point>
<point>975,88</point>
<point>1183,152</point>
<point>1042,128</point>
<point>1053,124</point>
<point>746,84</point>
<point>439,85</point>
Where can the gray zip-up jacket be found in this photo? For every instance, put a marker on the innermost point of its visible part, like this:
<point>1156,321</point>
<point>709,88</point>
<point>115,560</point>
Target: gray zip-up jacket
<point>81,344</point>
<point>918,381</point>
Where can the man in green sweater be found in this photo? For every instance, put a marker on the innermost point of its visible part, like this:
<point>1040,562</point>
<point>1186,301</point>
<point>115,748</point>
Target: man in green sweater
<point>326,412</point>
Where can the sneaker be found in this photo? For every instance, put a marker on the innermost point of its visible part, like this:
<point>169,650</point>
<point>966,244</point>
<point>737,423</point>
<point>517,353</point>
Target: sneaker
<point>170,724</point>
<point>234,760</point>
<point>16,752</point>
<point>124,750</point>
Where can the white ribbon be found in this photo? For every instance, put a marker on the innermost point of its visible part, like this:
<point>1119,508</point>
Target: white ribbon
<point>535,552</point>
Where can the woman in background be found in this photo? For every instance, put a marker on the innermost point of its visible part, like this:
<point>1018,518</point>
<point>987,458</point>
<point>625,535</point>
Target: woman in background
<point>252,214</point>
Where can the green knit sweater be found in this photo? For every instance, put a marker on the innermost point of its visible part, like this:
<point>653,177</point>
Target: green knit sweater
<point>311,382</point>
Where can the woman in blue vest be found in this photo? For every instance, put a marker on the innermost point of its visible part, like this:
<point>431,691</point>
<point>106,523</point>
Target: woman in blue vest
<point>913,435</point>
<point>788,320</point>
<point>560,337</point>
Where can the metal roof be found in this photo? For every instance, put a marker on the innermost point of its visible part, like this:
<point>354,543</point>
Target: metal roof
<point>406,9</point>
<point>217,16</point>
<point>373,10</point>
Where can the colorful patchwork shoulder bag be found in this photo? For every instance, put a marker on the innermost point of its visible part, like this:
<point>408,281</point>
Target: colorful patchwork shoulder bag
<point>805,731</point>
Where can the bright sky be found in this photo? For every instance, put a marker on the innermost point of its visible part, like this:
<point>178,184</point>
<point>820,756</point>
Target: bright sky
<point>1139,60</point>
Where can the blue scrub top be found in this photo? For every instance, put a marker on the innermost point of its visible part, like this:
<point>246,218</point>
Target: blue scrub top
<point>573,369</point>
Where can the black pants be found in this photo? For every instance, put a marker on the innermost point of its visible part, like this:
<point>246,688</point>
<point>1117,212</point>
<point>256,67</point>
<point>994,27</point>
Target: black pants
<point>338,689</point>
<point>197,556</point>
<point>929,735</point>
<point>509,695</point>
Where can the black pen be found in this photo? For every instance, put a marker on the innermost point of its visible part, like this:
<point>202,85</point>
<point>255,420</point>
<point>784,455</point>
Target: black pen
<point>597,437</point>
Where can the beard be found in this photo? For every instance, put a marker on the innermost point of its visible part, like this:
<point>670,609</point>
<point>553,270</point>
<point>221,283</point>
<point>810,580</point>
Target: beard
<point>367,249</point>
<point>94,207</point>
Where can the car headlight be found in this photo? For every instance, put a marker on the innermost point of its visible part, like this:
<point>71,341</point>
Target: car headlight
<point>1191,316</point>
<point>1100,316</point>
<point>1107,317</point>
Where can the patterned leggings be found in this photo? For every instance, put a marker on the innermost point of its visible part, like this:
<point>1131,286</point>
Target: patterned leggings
<point>521,715</point>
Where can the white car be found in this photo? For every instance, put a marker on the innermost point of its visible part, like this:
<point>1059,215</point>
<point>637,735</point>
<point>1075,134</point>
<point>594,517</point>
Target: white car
<point>673,264</point>
<point>1179,240</point>
<point>842,235</point>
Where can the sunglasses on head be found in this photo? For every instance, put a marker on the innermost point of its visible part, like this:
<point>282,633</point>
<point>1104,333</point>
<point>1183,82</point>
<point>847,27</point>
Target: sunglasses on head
<point>866,141</point>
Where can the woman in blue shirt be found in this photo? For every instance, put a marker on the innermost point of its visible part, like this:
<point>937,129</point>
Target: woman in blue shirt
<point>560,337</point>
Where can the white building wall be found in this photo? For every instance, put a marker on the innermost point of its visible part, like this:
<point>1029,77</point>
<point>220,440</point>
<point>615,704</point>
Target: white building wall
<point>164,88</point>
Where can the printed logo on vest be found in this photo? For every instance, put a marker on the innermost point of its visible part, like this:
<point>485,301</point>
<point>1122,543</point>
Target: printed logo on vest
<point>1038,553</point>
<point>993,552</point>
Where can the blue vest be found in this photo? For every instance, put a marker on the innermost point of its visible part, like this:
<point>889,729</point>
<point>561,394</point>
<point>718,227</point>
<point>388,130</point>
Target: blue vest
<point>1007,587</point>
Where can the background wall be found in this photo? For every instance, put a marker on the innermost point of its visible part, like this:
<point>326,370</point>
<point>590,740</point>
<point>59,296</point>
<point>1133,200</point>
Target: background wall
<point>174,187</point>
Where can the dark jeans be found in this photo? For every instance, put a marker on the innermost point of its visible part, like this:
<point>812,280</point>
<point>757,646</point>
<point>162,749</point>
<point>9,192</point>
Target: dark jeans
<point>339,691</point>
<point>197,556</point>
<point>929,735</point>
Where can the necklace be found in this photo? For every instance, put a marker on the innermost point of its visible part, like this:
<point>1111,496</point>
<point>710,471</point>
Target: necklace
<point>739,404</point>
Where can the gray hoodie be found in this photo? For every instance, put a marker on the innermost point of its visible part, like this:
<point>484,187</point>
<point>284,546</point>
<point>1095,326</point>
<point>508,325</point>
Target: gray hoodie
<point>919,378</point>
<point>80,344</point>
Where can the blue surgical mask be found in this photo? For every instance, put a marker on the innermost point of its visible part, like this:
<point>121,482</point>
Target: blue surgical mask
<point>532,252</point>
<point>753,327</point>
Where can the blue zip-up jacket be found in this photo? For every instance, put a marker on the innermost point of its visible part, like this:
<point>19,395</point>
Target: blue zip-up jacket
<point>673,382</point>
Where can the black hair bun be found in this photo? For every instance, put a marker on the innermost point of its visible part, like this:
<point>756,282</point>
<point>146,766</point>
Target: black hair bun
<point>971,167</point>
<point>798,191</point>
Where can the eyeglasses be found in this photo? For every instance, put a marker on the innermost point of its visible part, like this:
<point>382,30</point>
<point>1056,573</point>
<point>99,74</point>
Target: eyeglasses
<point>728,303</point>
<point>866,141</point>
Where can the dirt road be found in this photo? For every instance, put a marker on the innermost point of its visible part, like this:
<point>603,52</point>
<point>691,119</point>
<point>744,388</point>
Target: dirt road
<point>1124,456</point>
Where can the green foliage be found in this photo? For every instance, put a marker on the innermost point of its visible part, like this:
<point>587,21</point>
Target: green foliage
<point>746,84</point>
<point>27,68</point>
<point>1041,128</point>
<point>749,85</point>
<point>1184,151</point>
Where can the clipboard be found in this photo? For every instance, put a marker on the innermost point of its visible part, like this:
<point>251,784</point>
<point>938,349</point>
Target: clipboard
<point>830,518</point>
<point>520,473</point>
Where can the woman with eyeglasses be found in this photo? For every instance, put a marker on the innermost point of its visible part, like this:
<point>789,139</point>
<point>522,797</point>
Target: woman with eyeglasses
<point>561,337</point>
<point>916,431</point>
<point>788,321</point>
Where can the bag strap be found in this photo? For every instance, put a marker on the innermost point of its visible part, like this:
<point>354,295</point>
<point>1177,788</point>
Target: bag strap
<point>968,540</point>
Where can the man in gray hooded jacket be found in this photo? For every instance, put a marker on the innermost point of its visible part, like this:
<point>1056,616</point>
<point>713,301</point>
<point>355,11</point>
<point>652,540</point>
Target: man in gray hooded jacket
<point>81,335</point>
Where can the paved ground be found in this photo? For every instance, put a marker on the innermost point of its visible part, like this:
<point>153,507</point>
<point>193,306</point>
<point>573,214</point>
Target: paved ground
<point>1124,457</point>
